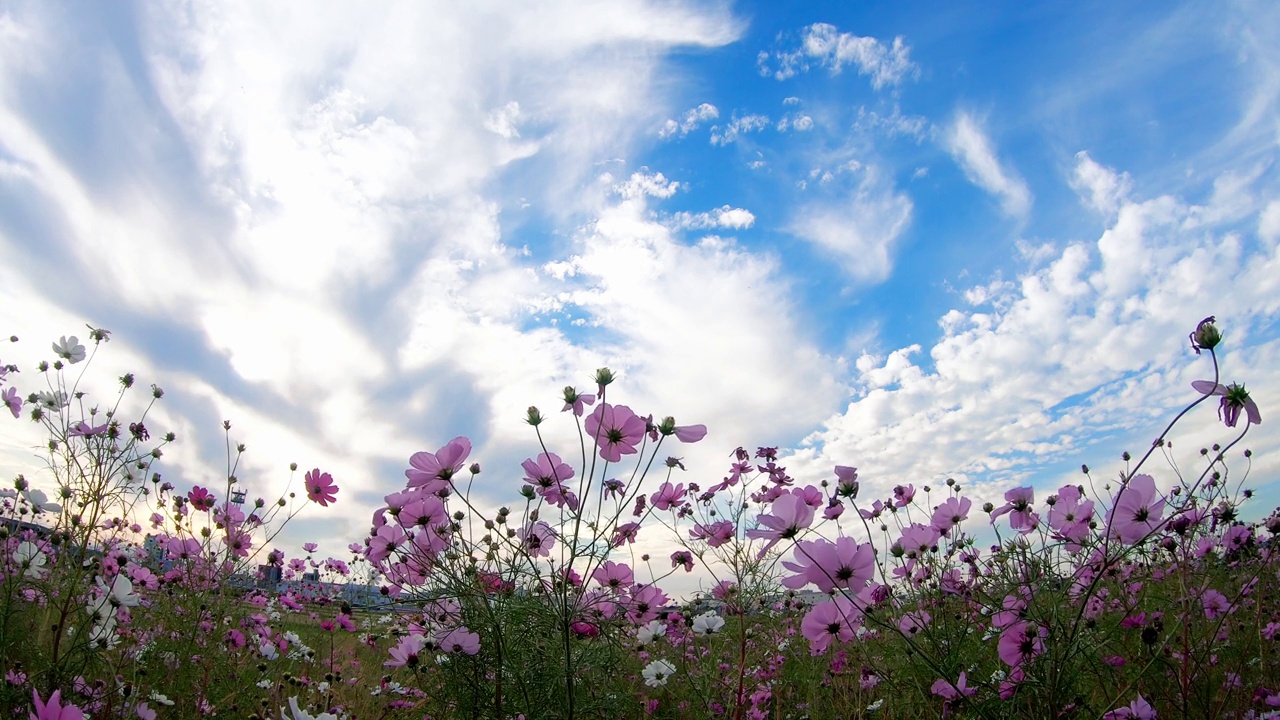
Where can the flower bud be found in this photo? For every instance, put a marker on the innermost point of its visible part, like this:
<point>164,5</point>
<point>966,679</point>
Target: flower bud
<point>604,376</point>
<point>533,416</point>
<point>1206,335</point>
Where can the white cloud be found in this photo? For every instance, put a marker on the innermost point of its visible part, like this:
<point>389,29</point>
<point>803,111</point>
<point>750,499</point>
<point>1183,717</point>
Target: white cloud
<point>692,120</point>
<point>729,218</point>
<point>739,125</point>
<point>828,47</point>
<point>1101,187</point>
<point>973,150</point>
<point>1091,345</point>
<point>642,184</point>
<point>859,229</point>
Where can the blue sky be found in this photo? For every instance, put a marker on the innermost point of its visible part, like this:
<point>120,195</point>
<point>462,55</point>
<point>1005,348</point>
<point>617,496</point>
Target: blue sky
<point>928,240</point>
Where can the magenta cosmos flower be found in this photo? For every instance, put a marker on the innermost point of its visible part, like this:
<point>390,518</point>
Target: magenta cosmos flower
<point>1137,511</point>
<point>844,564</point>
<point>616,429</point>
<point>1021,642</point>
<point>1234,399</point>
<point>321,488</point>
<point>433,468</point>
<point>537,539</point>
<point>54,709</point>
<point>790,515</point>
<point>828,621</point>
<point>1018,502</point>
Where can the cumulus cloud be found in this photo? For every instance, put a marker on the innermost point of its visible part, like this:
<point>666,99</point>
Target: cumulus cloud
<point>693,118</point>
<point>826,46</point>
<point>726,217</point>
<point>1092,344</point>
<point>973,150</point>
<point>728,134</point>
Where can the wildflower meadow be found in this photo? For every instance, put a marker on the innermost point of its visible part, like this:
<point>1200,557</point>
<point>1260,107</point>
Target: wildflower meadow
<point>1136,591</point>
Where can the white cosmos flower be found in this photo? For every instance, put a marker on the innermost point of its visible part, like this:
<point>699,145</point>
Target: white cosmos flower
<point>707,623</point>
<point>28,556</point>
<point>39,502</point>
<point>651,631</point>
<point>162,699</point>
<point>55,400</point>
<point>69,349</point>
<point>657,672</point>
<point>296,713</point>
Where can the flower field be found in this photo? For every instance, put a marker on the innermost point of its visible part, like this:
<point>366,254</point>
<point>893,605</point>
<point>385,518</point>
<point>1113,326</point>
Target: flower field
<point>123,595</point>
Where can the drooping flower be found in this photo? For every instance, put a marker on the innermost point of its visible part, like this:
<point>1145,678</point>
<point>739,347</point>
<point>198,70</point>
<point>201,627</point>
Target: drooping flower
<point>574,400</point>
<point>321,488</point>
<point>682,557</point>
<point>54,709</point>
<point>1234,400</point>
<point>1138,510</point>
<point>1206,336</point>
<point>10,398</point>
<point>657,673</point>
<point>616,429</point>
<point>1018,503</point>
<point>69,349</point>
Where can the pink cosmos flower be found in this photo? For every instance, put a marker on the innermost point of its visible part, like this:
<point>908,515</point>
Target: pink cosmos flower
<point>831,620</point>
<point>644,603</point>
<point>624,533</point>
<point>903,495</point>
<point>460,640</point>
<point>917,539</point>
<point>406,651</point>
<point>309,547</point>
<point>1018,504</point>
<point>690,433</point>
<point>537,539</point>
<point>1139,709</point>
<point>1070,514</point>
<point>1137,511</point>
<point>682,557</point>
<point>668,496</point>
<point>844,564</point>
<point>201,499</point>
<point>946,690</point>
<point>790,515</point>
<point>573,400</point>
<point>424,511</point>
<point>84,429</point>
<point>1234,399</point>
<point>846,481</point>
<point>320,487</point>
<point>54,709</point>
<point>548,471</point>
<point>431,469</point>
<point>950,513</point>
<point>384,542</point>
<point>716,534</point>
<point>613,575</point>
<point>10,398</point>
<point>1020,642</point>
<point>1215,604</point>
<point>616,429</point>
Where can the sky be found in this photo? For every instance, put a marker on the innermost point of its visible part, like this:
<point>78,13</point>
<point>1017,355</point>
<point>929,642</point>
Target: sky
<point>949,239</point>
